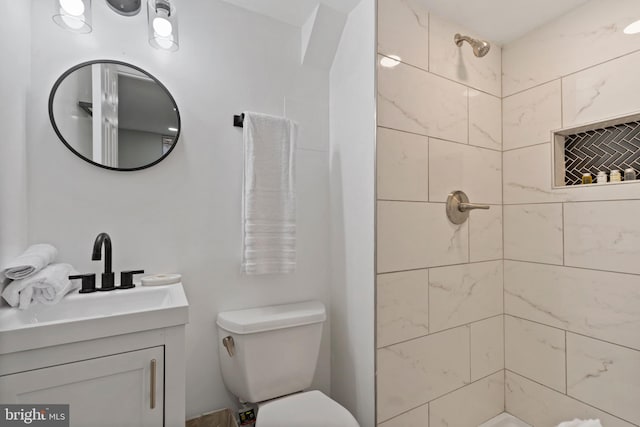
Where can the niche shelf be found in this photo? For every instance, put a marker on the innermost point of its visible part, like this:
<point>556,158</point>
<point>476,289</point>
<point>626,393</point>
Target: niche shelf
<point>601,146</point>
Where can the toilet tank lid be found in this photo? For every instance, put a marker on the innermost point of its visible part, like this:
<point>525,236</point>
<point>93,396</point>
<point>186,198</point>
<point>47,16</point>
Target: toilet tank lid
<point>268,318</point>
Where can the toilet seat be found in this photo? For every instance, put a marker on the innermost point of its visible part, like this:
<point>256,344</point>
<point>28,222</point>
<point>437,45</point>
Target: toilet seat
<point>309,409</point>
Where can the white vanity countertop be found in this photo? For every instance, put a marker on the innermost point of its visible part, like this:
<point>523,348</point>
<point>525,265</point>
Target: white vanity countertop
<point>80,317</point>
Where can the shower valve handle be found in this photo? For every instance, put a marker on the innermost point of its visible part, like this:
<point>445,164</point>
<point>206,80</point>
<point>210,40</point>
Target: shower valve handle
<point>458,207</point>
<point>463,207</point>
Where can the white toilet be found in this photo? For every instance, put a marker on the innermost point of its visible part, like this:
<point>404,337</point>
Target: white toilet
<point>268,356</point>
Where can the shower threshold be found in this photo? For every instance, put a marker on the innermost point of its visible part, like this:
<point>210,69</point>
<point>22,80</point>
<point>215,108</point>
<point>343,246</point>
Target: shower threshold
<point>505,420</point>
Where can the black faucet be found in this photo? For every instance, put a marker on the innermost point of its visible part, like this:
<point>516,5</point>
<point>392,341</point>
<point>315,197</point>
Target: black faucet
<point>107,276</point>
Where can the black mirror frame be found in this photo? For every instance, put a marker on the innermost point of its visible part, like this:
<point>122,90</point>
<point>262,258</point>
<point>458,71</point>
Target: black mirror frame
<point>109,61</point>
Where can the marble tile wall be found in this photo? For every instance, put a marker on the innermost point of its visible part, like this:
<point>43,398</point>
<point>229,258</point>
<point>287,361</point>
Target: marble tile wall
<point>481,401</point>
<point>541,406</point>
<point>464,293</point>
<point>440,321</point>
<point>535,351</point>
<point>571,270</point>
<point>534,232</point>
<point>487,347</point>
<point>546,282</point>
<point>599,374</point>
<point>589,35</point>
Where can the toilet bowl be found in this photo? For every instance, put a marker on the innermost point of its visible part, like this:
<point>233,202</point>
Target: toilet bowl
<point>309,409</point>
<point>268,356</point>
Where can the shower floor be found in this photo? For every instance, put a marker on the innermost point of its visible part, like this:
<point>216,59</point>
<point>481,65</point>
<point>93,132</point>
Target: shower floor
<point>505,420</point>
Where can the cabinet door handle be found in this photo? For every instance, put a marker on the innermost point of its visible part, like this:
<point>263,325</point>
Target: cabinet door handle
<point>152,397</point>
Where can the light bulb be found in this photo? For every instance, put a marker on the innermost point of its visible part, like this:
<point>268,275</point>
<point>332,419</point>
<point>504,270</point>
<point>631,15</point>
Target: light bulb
<point>633,28</point>
<point>162,27</point>
<point>73,22</point>
<point>72,7</point>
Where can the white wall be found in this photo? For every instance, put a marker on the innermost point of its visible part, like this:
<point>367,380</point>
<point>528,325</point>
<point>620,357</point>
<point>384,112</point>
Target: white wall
<point>352,215</point>
<point>14,78</point>
<point>183,214</point>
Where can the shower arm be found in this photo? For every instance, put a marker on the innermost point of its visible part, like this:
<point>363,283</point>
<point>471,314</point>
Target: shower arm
<point>459,38</point>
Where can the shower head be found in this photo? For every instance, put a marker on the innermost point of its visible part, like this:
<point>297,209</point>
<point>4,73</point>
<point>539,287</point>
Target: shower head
<point>480,47</point>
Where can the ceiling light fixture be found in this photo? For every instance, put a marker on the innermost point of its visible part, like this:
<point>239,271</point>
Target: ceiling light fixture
<point>73,15</point>
<point>125,7</point>
<point>162,22</point>
<point>162,25</point>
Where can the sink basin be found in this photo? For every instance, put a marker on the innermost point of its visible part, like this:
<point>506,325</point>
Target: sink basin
<point>79,317</point>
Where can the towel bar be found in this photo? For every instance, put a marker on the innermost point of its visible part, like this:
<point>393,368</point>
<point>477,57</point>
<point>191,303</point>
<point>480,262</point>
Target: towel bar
<point>238,120</point>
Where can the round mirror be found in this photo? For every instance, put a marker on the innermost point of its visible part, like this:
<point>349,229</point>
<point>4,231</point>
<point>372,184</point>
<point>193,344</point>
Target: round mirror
<point>114,115</point>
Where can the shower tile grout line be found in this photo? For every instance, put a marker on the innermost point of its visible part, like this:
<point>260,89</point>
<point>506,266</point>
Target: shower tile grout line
<point>496,150</point>
<point>571,266</point>
<point>432,202</point>
<point>569,331</point>
<point>470,352</point>
<point>632,199</point>
<point>375,218</point>
<point>564,249</point>
<point>504,329</point>
<point>440,266</point>
<point>441,331</point>
<point>441,76</point>
<point>508,150</point>
<point>566,365</point>
<point>572,73</point>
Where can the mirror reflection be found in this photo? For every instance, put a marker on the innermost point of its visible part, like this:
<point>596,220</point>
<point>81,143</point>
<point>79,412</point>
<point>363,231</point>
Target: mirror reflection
<point>114,115</point>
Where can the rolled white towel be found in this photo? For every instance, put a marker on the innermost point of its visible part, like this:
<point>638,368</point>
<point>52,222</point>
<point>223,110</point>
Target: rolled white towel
<point>34,259</point>
<point>48,286</point>
<point>581,423</point>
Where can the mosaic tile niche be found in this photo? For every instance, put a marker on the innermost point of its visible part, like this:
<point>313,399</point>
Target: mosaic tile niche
<point>604,146</point>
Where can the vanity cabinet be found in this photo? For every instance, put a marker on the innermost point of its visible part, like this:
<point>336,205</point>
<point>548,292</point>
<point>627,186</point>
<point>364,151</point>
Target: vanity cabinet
<point>125,389</point>
<point>107,382</point>
<point>108,355</point>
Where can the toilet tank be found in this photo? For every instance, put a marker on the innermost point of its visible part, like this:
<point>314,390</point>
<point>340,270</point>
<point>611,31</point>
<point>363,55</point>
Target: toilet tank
<point>274,349</point>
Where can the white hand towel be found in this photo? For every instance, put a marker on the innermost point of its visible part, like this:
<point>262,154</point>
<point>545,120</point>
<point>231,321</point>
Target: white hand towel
<point>34,259</point>
<point>269,200</point>
<point>48,286</point>
<point>581,423</point>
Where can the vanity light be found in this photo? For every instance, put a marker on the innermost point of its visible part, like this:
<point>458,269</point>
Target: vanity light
<point>162,25</point>
<point>633,28</point>
<point>73,15</point>
<point>390,61</point>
